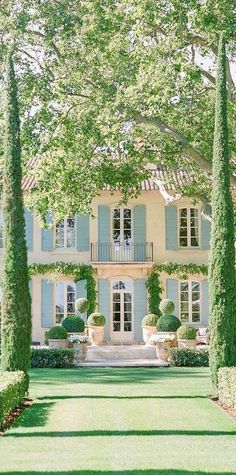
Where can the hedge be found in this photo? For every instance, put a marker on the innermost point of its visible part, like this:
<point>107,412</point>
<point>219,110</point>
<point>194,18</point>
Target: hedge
<point>13,387</point>
<point>227,386</point>
<point>52,358</point>
<point>189,357</point>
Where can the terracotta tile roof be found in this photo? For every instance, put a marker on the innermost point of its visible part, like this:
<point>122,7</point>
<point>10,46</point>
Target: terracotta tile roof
<point>179,178</point>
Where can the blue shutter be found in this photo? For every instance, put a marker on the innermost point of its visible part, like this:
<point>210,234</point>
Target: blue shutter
<point>47,237</point>
<point>82,232</point>
<point>171,227</point>
<point>140,233</point>
<point>104,303</point>
<point>140,307</point>
<point>205,302</point>
<point>172,293</point>
<point>46,304</point>
<point>81,292</point>
<point>104,234</point>
<point>29,229</point>
<point>205,233</point>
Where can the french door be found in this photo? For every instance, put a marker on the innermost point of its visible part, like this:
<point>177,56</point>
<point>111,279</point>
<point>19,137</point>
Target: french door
<point>122,235</point>
<point>122,311</point>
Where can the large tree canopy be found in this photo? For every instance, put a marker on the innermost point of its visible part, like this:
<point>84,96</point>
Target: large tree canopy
<point>108,87</point>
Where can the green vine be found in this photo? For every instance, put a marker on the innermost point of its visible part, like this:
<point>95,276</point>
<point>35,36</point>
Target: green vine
<point>76,271</point>
<point>182,271</point>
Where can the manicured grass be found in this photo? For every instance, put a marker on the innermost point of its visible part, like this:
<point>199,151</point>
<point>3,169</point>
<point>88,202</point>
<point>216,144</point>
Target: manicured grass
<point>120,421</point>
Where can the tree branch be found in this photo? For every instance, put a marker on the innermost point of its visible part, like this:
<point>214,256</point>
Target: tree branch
<point>189,150</point>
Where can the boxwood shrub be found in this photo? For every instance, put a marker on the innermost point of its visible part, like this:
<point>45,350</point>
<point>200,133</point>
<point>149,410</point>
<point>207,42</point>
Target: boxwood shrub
<point>186,332</point>
<point>72,324</point>
<point>227,386</point>
<point>189,356</point>
<point>149,320</point>
<point>52,358</point>
<point>57,333</point>
<point>13,387</point>
<point>96,320</point>
<point>168,323</point>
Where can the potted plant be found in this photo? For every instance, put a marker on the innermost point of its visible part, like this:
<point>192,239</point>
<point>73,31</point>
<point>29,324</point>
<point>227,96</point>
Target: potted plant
<point>149,326</point>
<point>168,322</point>
<point>95,324</point>
<point>73,324</point>
<point>80,345</point>
<point>186,336</point>
<point>163,343</point>
<point>57,337</point>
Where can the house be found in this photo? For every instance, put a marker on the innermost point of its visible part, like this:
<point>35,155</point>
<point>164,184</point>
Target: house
<point>122,244</point>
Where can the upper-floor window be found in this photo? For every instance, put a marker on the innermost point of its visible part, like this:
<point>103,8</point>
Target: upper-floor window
<point>122,225</point>
<point>190,302</point>
<point>64,300</point>
<point>66,234</point>
<point>188,227</point>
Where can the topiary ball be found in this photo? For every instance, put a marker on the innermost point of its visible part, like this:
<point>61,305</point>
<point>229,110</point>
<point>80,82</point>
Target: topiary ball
<point>72,324</point>
<point>96,320</point>
<point>149,320</point>
<point>168,323</point>
<point>81,305</point>
<point>57,333</point>
<point>167,306</point>
<point>186,332</point>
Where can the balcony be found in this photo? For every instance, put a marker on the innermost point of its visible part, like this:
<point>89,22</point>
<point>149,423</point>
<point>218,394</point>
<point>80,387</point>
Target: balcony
<point>122,253</point>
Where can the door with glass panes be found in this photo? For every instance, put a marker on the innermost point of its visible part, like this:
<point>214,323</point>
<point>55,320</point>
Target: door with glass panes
<point>122,311</point>
<point>122,235</point>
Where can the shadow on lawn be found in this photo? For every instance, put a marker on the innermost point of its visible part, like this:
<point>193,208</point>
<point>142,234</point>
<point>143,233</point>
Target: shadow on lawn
<point>34,416</point>
<point>94,396</point>
<point>122,472</point>
<point>53,377</point>
<point>122,433</point>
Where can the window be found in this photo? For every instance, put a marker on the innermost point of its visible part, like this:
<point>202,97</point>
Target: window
<point>122,225</point>
<point>190,302</point>
<point>65,234</point>
<point>189,227</point>
<point>64,300</point>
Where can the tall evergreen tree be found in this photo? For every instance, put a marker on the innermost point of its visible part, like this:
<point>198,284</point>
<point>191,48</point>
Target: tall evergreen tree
<point>16,302</point>
<point>222,254</point>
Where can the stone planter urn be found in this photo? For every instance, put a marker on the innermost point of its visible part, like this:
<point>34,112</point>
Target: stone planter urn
<point>186,343</point>
<point>81,350</point>
<point>57,343</point>
<point>162,351</point>
<point>173,343</point>
<point>148,331</point>
<point>96,335</point>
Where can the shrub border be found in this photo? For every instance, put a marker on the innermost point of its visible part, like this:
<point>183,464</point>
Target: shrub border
<point>12,394</point>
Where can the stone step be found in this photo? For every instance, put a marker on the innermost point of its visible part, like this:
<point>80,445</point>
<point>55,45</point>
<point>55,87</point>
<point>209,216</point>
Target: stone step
<point>124,352</point>
<point>151,363</point>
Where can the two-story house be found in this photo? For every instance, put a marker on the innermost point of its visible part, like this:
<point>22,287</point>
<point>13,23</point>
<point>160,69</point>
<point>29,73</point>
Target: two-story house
<point>121,244</point>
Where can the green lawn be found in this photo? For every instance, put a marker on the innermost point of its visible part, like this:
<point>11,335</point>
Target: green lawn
<point>120,421</point>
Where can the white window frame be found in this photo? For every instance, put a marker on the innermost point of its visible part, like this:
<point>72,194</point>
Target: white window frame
<point>125,336</point>
<point>65,235</point>
<point>190,301</point>
<point>65,283</point>
<point>122,208</point>
<point>189,227</point>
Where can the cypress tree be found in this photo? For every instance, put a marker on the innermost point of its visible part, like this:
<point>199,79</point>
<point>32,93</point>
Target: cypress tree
<point>222,253</point>
<point>16,302</point>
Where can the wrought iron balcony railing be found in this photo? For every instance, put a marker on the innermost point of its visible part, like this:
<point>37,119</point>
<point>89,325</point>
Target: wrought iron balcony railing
<point>122,252</point>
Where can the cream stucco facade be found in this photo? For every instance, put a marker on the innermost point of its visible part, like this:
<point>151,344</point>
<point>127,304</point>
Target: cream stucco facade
<point>132,269</point>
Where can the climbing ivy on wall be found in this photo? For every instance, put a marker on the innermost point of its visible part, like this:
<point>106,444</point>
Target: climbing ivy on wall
<point>76,271</point>
<point>181,271</point>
